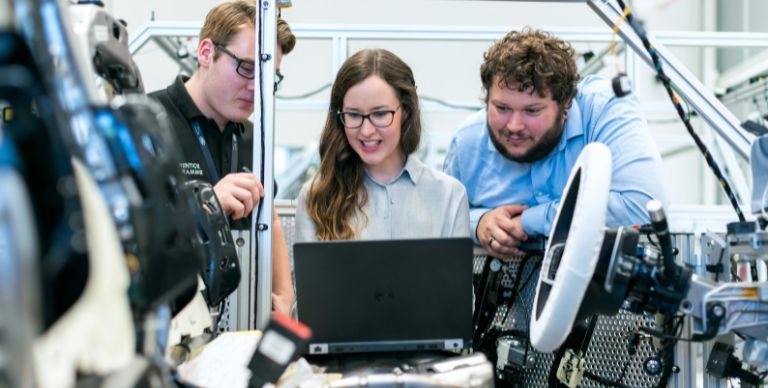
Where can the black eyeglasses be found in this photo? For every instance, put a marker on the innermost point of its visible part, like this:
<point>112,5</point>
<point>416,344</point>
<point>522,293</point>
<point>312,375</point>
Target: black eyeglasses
<point>245,68</point>
<point>379,119</point>
<point>278,79</point>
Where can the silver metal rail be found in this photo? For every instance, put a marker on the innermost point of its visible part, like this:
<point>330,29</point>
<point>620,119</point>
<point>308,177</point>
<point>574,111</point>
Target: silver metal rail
<point>264,150</point>
<point>704,102</point>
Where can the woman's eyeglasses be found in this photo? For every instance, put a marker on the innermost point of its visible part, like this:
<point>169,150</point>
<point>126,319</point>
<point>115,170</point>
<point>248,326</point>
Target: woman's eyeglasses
<point>379,118</point>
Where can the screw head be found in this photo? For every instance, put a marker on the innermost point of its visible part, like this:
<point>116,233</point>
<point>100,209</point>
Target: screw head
<point>652,366</point>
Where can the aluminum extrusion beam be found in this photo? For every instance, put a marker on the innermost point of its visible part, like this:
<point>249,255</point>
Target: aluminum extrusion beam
<point>457,33</point>
<point>711,109</point>
<point>748,92</point>
<point>151,29</point>
<point>745,70</point>
<point>596,63</point>
<point>169,47</point>
<point>264,114</point>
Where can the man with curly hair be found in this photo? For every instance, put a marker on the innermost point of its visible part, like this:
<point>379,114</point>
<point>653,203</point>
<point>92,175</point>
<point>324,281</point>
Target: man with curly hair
<point>514,156</point>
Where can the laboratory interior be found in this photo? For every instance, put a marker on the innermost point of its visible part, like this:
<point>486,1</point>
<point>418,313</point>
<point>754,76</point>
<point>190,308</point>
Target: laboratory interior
<point>251,193</point>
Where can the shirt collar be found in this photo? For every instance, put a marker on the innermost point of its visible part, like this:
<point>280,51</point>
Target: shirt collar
<point>178,92</point>
<point>573,125</point>
<point>413,170</point>
<point>487,136</point>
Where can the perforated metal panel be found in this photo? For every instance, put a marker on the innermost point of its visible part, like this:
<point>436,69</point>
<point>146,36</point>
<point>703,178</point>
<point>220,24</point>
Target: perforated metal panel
<point>289,228</point>
<point>239,301</point>
<point>608,351</point>
<point>286,212</point>
<point>237,313</point>
<point>225,323</point>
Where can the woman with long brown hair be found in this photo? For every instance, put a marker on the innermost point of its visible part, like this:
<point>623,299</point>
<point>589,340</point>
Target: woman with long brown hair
<point>369,185</point>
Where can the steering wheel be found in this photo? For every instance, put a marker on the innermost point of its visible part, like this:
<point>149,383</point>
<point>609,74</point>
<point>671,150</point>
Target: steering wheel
<point>573,248</point>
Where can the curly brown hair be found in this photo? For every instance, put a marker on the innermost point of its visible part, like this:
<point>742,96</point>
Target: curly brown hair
<point>337,191</point>
<point>531,59</point>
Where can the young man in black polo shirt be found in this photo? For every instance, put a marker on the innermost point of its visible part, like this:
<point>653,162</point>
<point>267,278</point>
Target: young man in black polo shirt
<point>209,116</point>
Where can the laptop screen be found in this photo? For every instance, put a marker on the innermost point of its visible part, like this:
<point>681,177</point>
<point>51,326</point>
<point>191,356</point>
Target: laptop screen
<point>400,294</point>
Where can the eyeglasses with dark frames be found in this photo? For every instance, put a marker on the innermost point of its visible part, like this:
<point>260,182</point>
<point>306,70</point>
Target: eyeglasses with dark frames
<point>245,68</point>
<point>379,118</point>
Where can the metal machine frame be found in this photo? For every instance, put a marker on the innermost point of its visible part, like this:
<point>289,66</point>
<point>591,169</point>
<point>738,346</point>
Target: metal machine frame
<point>727,128</point>
<point>724,124</point>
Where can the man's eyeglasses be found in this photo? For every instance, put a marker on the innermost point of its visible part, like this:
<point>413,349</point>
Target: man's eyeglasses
<point>245,68</point>
<point>379,119</point>
<point>278,79</point>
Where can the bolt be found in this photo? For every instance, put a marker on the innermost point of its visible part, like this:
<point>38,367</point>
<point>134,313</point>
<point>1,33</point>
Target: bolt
<point>652,366</point>
<point>686,306</point>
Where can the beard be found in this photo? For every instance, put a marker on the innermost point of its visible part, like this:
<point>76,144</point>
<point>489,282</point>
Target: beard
<point>538,150</point>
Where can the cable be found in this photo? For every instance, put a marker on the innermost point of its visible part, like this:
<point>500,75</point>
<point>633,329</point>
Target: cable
<point>305,95</point>
<point>492,333</point>
<point>661,76</point>
<point>610,383</point>
<point>522,288</point>
<point>423,97</point>
<point>719,264</point>
<point>666,354</point>
<point>649,236</point>
<point>612,46</point>
<point>448,104</point>
<point>262,110</point>
<point>490,329</point>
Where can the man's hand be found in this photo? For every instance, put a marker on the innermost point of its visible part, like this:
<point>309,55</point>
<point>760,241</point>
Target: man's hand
<point>501,230</point>
<point>238,194</point>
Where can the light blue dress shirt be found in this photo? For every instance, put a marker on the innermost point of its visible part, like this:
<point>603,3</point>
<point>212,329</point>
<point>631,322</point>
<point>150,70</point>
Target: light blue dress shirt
<point>421,202</point>
<point>596,115</point>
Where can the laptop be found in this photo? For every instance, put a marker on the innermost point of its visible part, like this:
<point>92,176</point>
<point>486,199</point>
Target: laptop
<point>385,295</point>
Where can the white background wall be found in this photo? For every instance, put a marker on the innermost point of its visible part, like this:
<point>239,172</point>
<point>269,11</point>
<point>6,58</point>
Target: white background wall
<point>449,70</point>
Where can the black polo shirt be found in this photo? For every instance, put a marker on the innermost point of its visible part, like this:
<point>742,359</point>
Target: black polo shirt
<point>182,112</point>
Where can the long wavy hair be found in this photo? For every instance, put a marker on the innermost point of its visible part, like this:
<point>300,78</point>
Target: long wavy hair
<point>337,192</point>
